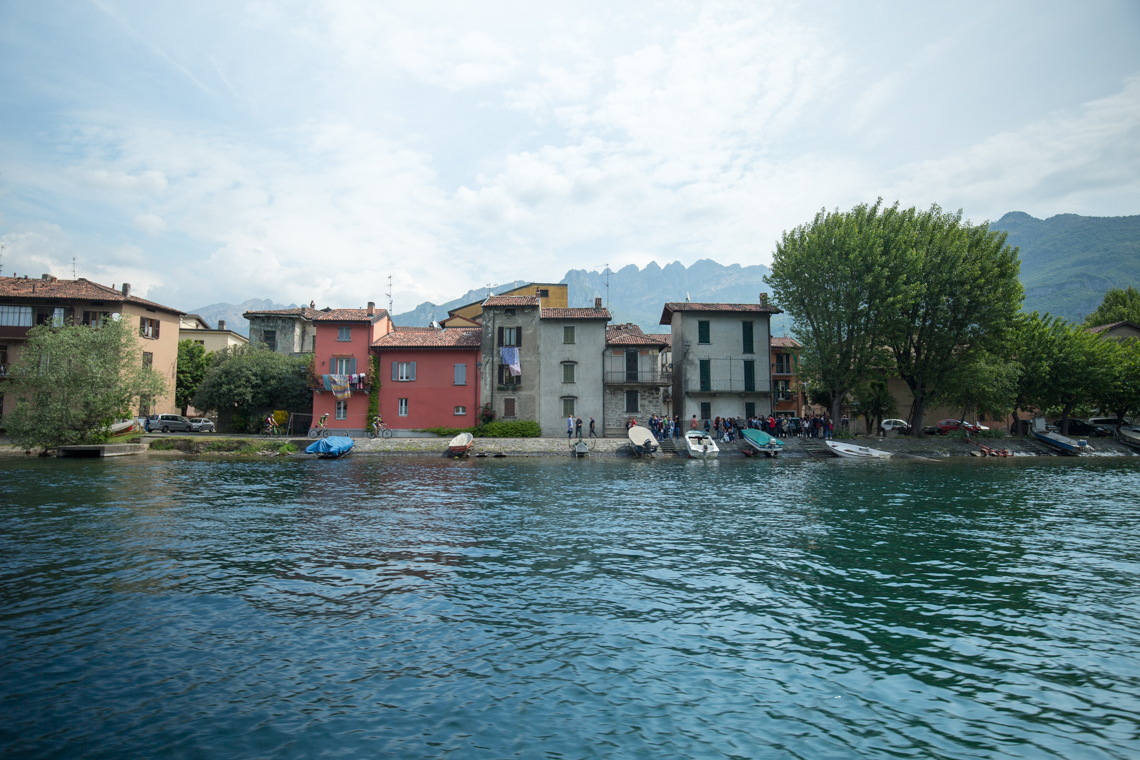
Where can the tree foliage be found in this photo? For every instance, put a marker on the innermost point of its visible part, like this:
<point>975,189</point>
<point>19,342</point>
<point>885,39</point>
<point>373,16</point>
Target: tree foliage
<point>72,382</point>
<point>1118,389</point>
<point>874,403</point>
<point>243,382</point>
<point>1064,366</point>
<point>986,383</point>
<point>193,363</point>
<point>1119,305</point>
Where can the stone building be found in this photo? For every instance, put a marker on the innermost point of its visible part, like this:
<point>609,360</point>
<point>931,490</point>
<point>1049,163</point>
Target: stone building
<point>636,376</point>
<point>511,322</point>
<point>286,331</point>
<point>570,347</point>
<point>720,358</point>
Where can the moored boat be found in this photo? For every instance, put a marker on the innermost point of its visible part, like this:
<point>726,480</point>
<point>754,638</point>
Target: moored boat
<point>1056,440</point>
<point>761,442</point>
<point>461,445</point>
<point>333,447</point>
<point>580,449</point>
<point>642,440</point>
<point>1129,435</point>
<point>700,445</point>
<point>851,451</point>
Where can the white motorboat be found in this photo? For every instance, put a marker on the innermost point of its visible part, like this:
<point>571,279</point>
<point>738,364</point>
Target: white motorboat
<point>1130,435</point>
<point>642,440</point>
<point>851,451</point>
<point>700,445</point>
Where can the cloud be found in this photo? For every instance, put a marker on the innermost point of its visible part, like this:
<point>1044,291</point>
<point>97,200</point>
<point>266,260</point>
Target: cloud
<point>151,224</point>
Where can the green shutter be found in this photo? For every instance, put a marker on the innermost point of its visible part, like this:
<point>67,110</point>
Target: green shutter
<point>748,338</point>
<point>703,331</point>
<point>706,374</point>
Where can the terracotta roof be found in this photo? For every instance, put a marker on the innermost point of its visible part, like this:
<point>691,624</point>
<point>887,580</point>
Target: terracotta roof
<point>631,335</point>
<point>512,301</point>
<point>1111,325</point>
<point>348,315</point>
<point>301,311</point>
<point>80,289</point>
<point>586,313</point>
<point>755,308</point>
<point>784,342</point>
<point>408,328</point>
<point>455,337</point>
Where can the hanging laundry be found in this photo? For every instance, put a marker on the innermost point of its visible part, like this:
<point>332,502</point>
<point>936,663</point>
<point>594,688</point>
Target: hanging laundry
<point>340,387</point>
<point>326,382</point>
<point>510,357</point>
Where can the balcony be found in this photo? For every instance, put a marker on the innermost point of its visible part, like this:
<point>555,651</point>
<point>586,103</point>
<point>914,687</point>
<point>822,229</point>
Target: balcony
<point>510,387</point>
<point>7,331</point>
<point>726,385</point>
<point>631,377</point>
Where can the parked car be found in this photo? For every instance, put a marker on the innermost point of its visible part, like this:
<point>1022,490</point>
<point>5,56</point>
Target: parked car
<point>168,423</point>
<point>946,426</point>
<point>201,425</point>
<point>1083,428</point>
<point>1110,422</point>
<point>900,425</point>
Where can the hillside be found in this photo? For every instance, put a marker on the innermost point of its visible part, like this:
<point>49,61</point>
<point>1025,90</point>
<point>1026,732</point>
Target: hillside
<point>1069,261</point>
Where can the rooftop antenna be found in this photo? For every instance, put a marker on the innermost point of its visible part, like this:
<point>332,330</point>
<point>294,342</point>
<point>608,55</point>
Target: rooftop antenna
<point>607,275</point>
<point>73,268</point>
<point>389,296</point>
<point>2,259</point>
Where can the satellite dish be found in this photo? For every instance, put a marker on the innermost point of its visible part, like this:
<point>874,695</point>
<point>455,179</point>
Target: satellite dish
<point>116,316</point>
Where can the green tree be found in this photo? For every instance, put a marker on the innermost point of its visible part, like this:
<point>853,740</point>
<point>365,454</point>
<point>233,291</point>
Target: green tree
<point>987,384</point>
<point>874,403</point>
<point>1069,366</point>
<point>1118,391</point>
<point>243,382</point>
<point>72,382</point>
<point>832,278</point>
<point>1119,305</point>
<point>957,295</point>
<point>193,363</point>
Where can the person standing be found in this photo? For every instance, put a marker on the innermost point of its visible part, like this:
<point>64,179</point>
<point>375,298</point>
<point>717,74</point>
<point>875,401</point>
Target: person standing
<point>593,433</point>
<point>570,427</point>
<point>578,426</point>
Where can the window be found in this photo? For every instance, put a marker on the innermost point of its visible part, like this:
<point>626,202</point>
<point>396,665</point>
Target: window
<point>15,316</point>
<point>508,407</point>
<point>749,376</point>
<point>783,364</point>
<point>460,411</point>
<point>749,409</point>
<point>544,293</point>
<point>269,338</point>
<point>57,317</point>
<point>461,374</point>
<point>148,328</point>
<point>201,343</point>
<point>510,336</point>
<point>3,367</point>
<point>706,410</point>
<point>403,372</point>
<point>148,359</point>
<point>506,378</point>
<point>632,402</point>
<point>95,318</point>
<point>342,365</point>
<point>568,372</point>
<point>403,407</point>
<point>344,333</point>
<point>703,331</point>
<point>568,407</point>
<point>748,337</point>
<point>509,312</point>
<point>342,410</point>
<point>568,334</point>
<point>706,374</point>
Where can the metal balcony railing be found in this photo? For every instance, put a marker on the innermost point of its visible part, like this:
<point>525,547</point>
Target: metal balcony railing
<point>654,377</point>
<point>733,385</point>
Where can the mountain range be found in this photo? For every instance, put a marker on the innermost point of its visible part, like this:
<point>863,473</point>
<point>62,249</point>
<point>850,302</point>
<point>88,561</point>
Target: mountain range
<point>1067,264</point>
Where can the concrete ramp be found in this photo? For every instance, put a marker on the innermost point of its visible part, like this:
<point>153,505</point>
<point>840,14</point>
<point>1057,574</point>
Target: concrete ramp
<point>100,450</point>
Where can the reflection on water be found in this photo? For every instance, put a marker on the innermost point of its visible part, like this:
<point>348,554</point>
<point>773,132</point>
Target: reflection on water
<point>554,608</point>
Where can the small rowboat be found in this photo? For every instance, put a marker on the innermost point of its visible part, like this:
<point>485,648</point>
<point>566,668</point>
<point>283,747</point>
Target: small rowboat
<point>761,442</point>
<point>333,447</point>
<point>700,445</point>
<point>642,440</point>
<point>851,451</point>
<point>122,427</point>
<point>461,445</point>
<point>580,449</point>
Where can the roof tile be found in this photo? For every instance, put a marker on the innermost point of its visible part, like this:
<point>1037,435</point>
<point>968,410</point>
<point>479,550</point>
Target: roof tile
<point>454,337</point>
<point>585,313</point>
<point>79,289</point>
<point>755,308</point>
<point>512,301</point>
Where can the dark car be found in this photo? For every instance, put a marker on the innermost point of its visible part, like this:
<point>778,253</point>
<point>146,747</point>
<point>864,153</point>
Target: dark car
<point>1083,428</point>
<point>170,423</point>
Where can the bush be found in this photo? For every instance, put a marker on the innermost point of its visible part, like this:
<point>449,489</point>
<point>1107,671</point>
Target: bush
<point>449,432</point>
<point>501,429</point>
<point>844,434</point>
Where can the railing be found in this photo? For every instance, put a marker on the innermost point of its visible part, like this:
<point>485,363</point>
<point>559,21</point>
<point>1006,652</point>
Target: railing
<point>647,377</point>
<point>734,385</point>
<point>510,387</point>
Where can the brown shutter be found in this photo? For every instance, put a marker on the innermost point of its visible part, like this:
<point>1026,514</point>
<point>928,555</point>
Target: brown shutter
<point>518,336</point>
<point>500,336</point>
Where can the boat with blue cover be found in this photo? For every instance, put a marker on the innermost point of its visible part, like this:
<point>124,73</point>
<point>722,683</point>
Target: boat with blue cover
<point>761,442</point>
<point>1058,441</point>
<point>333,447</point>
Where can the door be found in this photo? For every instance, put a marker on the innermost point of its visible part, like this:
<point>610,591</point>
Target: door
<point>631,366</point>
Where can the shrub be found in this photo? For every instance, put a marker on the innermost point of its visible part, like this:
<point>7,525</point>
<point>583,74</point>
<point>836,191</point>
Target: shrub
<point>844,434</point>
<point>287,448</point>
<point>449,432</point>
<point>517,429</point>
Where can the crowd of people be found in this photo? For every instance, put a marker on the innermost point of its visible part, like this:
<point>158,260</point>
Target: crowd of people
<point>727,429</point>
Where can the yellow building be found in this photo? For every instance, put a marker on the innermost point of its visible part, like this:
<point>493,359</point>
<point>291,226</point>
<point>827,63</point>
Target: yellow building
<point>193,327</point>
<point>551,295</point>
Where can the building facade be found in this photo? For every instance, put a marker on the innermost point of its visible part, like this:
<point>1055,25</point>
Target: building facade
<point>25,303</point>
<point>193,327</point>
<point>720,358</point>
<point>287,331</point>
<point>571,347</point>
<point>511,322</point>
<point>636,376</point>
<point>429,377</point>
<point>343,341</point>
<point>788,397</point>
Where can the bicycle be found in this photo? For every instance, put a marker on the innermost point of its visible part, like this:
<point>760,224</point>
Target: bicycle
<point>320,431</point>
<point>270,431</point>
<point>379,429</point>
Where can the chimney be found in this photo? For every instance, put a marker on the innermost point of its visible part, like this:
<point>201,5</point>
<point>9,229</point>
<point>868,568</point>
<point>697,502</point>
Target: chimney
<point>598,302</point>
<point>126,290</point>
<point>538,292</point>
<point>45,277</point>
<point>221,324</point>
<point>371,308</point>
<point>763,299</point>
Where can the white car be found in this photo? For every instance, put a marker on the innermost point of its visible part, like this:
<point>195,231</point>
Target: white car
<point>889,425</point>
<point>201,425</point>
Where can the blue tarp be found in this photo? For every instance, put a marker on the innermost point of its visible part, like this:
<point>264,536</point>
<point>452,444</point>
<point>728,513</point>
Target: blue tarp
<point>333,446</point>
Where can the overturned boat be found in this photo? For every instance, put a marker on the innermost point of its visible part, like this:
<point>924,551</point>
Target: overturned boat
<point>700,445</point>
<point>643,441</point>
<point>851,451</point>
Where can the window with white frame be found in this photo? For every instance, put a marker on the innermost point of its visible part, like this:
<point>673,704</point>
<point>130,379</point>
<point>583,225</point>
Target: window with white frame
<point>343,365</point>
<point>405,371</point>
<point>342,410</point>
<point>403,407</point>
<point>460,411</point>
<point>344,333</point>
<point>15,316</point>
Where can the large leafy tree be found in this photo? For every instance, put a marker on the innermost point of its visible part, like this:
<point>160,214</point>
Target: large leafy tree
<point>1119,305</point>
<point>72,382</point>
<point>193,362</point>
<point>957,295</point>
<point>987,383</point>
<point>243,382</point>
<point>832,277</point>
<point>1118,391</point>
<point>1066,366</point>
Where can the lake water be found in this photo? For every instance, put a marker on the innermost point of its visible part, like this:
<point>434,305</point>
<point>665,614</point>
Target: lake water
<point>569,609</point>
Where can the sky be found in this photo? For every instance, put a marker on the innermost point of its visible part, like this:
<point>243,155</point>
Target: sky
<point>297,151</point>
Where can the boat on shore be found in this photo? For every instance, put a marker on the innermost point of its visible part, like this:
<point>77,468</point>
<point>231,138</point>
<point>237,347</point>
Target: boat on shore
<point>580,449</point>
<point>762,443</point>
<point>1129,435</point>
<point>642,441</point>
<point>461,445</point>
<point>700,445</point>
<point>333,447</point>
<point>851,451</point>
<point>1063,443</point>
<point>125,426</point>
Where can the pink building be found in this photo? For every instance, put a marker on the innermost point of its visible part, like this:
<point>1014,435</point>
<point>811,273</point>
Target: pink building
<point>341,347</point>
<point>430,377</point>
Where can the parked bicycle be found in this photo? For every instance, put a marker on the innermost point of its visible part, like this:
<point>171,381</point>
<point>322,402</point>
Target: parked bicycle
<point>321,429</point>
<point>379,428</point>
